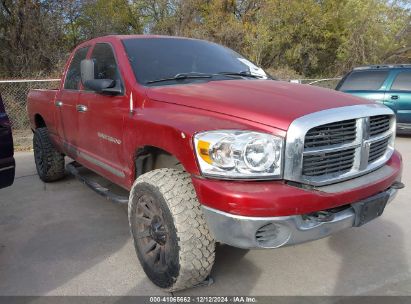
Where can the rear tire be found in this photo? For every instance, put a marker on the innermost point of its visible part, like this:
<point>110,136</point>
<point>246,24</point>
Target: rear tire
<point>171,237</point>
<point>49,161</point>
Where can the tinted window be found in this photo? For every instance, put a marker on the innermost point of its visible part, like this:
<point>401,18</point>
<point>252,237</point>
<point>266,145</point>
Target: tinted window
<point>402,82</point>
<point>364,80</point>
<point>105,62</point>
<point>159,58</point>
<point>73,75</point>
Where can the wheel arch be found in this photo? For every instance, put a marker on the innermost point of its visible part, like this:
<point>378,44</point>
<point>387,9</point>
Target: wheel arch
<point>148,158</point>
<point>39,121</point>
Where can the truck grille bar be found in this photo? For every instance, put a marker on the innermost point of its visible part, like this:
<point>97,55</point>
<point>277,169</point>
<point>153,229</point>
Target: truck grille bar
<point>328,163</point>
<point>331,134</point>
<point>379,124</point>
<point>321,150</point>
<point>377,150</point>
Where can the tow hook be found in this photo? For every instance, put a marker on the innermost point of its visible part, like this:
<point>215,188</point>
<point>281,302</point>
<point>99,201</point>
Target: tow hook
<point>397,185</point>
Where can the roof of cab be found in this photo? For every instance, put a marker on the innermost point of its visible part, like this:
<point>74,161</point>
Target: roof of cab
<point>382,66</point>
<point>124,37</point>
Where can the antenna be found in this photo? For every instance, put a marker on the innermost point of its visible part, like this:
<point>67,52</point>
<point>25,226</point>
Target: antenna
<point>131,103</point>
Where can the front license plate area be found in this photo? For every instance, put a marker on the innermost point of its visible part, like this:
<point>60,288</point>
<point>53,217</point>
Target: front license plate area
<point>369,209</point>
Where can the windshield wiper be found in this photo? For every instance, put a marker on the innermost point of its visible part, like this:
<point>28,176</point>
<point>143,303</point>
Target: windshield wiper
<point>182,76</point>
<point>198,75</point>
<point>242,74</point>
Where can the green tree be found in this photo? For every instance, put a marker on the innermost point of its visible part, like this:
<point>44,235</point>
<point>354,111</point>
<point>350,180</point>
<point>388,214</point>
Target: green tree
<point>31,38</point>
<point>304,37</point>
<point>371,34</point>
<point>104,17</point>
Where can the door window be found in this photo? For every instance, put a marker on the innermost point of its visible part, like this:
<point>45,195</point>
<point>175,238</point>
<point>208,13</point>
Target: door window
<point>105,62</point>
<point>402,82</point>
<point>73,76</point>
<point>364,80</point>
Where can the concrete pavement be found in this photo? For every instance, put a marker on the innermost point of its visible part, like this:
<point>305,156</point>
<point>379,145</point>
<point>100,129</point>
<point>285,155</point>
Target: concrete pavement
<point>64,239</point>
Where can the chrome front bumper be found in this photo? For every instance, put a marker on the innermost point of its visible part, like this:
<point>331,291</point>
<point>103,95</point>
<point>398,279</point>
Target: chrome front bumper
<point>274,232</point>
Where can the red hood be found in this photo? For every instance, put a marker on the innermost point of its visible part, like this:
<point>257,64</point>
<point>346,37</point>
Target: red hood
<point>273,103</point>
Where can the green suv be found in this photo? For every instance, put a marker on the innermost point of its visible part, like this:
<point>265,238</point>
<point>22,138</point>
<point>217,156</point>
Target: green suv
<point>387,84</point>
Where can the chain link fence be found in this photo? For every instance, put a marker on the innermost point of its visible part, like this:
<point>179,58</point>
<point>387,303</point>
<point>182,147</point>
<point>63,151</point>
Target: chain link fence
<point>14,93</point>
<point>328,83</point>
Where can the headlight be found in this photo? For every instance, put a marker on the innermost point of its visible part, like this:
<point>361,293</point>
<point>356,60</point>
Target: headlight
<point>239,154</point>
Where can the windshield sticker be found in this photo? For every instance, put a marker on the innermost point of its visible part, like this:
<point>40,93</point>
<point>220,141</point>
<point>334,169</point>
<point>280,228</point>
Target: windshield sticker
<point>254,70</point>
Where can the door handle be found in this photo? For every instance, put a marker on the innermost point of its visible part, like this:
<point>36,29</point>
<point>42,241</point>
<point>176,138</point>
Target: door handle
<point>58,103</point>
<point>81,108</point>
<point>394,97</point>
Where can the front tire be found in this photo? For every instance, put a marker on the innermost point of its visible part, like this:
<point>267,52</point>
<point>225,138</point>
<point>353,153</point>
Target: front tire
<point>49,161</point>
<point>171,237</point>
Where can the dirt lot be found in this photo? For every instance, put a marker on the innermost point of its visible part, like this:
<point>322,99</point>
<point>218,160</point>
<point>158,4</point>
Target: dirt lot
<point>63,239</point>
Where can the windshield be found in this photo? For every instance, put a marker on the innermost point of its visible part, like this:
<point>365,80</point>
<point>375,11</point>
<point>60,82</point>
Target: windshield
<point>154,59</point>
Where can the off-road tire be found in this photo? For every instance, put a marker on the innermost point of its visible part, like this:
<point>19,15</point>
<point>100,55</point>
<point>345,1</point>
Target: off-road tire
<point>49,161</point>
<point>191,248</point>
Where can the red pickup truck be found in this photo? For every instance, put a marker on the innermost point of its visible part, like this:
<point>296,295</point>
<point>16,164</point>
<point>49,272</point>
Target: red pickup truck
<point>212,149</point>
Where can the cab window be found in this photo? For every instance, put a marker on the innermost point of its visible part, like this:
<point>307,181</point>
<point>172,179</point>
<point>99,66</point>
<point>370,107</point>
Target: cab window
<point>364,80</point>
<point>73,76</point>
<point>402,82</point>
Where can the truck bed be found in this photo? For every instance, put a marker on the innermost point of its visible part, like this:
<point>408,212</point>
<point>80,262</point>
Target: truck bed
<point>39,103</point>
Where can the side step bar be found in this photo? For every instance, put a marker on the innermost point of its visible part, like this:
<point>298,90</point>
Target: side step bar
<point>73,167</point>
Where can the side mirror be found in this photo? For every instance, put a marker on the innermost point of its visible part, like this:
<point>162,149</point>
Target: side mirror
<point>99,85</point>
<point>102,86</point>
<point>87,70</point>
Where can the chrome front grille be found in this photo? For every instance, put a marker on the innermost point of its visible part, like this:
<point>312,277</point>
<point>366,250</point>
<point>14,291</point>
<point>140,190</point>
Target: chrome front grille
<point>331,134</point>
<point>378,149</point>
<point>328,163</point>
<point>379,124</point>
<point>337,144</point>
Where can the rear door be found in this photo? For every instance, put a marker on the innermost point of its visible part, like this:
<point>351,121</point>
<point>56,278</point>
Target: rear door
<point>398,96</point>
<point>7,165</point>
<point>369,84</point>
<point>102,118</point>
<point>66,103</point>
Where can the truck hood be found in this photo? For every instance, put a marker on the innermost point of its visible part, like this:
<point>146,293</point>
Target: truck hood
<point>273,103</point>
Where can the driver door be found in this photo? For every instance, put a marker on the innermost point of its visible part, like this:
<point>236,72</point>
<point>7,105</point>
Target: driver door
<point>101,118</point>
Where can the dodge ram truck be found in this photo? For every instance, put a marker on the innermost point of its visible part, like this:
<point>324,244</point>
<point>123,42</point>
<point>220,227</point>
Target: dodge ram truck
<point>211,149</point>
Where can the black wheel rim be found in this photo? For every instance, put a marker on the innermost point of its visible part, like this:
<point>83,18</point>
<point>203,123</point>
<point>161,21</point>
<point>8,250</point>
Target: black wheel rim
<point>151,233</point>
